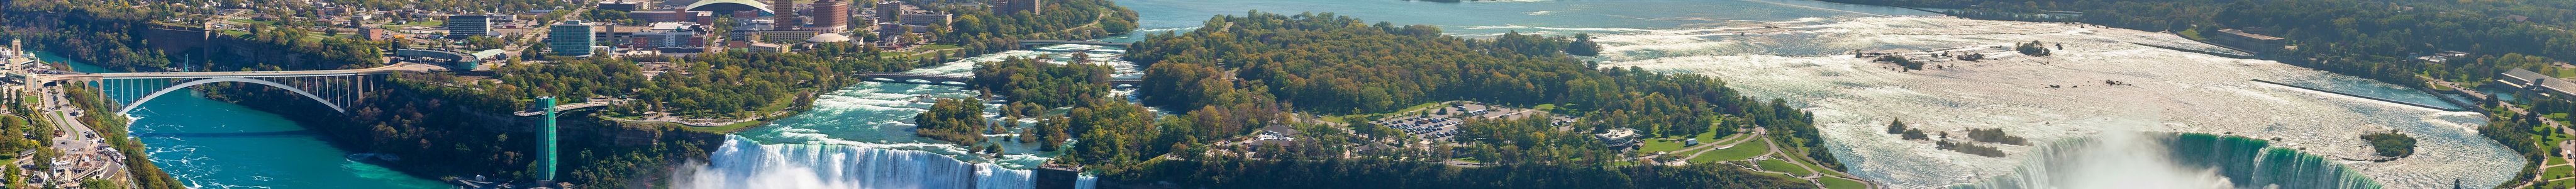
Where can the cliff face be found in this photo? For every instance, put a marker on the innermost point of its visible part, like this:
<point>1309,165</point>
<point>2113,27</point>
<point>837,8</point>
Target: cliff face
<point>437,139</point>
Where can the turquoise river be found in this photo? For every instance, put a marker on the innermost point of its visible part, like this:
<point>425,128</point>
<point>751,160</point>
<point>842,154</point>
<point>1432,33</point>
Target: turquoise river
<point>856,137</point>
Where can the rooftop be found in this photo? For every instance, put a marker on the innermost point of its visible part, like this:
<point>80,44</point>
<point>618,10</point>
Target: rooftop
<point>2522,76</point>
<point>2560,86</point>
<point>730,5</point>
<point>2248,35</point>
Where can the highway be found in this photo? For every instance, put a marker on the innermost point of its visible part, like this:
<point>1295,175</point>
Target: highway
<point>81,147</point>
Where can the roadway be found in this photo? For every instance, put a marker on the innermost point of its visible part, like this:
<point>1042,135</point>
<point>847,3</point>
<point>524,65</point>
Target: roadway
<point>399,67</point>
<point>87,156</point>
<point>562,107</point>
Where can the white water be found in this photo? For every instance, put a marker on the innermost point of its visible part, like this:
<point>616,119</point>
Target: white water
<point>856,137</point>
<point>1806,62</point>
<point>746,164</point>
<point>2111,160</point>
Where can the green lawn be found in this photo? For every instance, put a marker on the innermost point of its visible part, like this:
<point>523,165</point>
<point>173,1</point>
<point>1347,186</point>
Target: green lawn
<point>2569,182</point>
<point>2563,73</point>
<point>249,21</point>
<point>774,106</point>
<point>1783,166</point>
<point>1667,144</point>
<point>1653,145</point>
<point>2554,161</point>
<point>425,23</point>
<point>2559,172</point>
<point>1415,107</point>
<point>939,47</point>
<point>1748,150</point>
<point>1839,183</point>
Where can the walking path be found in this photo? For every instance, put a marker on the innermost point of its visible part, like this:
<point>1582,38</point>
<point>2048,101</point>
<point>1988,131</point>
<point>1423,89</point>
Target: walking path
<point>1772,151</point>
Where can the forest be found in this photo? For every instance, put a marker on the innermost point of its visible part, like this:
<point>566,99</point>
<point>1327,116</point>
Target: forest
<point>954,120</point>
<point>1030,80</point>
<point>2390,144</point>
<point>981,31</point>
<point>714,85</point>
<point>1242,72</point>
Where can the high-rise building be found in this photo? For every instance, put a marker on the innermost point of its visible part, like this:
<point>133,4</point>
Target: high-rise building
<point>1006,7</point>
<point>625,5</point>
<point>700,17</point>
<point>571,38</point>
<point>832,15</point>
<point>926,18</point>
<point>786,18</point>
<point>890,11</point>
<point>461,26</point>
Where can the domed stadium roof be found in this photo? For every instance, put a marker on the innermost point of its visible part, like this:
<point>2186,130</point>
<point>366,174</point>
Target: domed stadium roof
<point>828,38</point>
<point>731,5</point>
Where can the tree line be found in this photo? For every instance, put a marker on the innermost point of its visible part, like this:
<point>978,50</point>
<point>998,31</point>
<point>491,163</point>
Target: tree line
<point>1242,72</point>
<point>981,31</point>
<point>1034,81</point>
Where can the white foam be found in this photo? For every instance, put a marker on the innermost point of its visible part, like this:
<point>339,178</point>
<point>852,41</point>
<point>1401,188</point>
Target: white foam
<point>1853,98</point>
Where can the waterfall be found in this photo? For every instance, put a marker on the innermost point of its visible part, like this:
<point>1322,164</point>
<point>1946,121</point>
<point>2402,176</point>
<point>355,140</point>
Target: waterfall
<point>747,164</point>
<point>2163,160</point>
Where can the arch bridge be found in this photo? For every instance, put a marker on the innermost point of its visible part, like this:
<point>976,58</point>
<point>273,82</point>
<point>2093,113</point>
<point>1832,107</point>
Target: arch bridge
<point>333,88</point>
<point>962,81</point>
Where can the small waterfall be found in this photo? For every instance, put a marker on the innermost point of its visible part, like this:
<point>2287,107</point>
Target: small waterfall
<point>743,163</point>
<point>2164,160</point>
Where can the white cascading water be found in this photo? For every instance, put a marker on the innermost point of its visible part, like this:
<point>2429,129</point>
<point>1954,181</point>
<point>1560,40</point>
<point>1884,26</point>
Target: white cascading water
<point>745,164</point>
<point>2111,160</point>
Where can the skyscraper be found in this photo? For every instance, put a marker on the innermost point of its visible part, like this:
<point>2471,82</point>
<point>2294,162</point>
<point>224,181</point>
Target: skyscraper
<point>831,15</point>
<point>891,11</point>
<point>461,26</point>
<point>571,38</point>
<point>1006,7</point>
<point>786,19</point>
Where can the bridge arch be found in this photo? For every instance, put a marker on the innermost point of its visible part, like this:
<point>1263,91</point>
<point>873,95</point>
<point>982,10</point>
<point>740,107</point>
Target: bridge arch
<point>166,90</point>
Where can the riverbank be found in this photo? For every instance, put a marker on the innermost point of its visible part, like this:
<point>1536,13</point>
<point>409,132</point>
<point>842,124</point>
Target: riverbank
<point>491,144</point>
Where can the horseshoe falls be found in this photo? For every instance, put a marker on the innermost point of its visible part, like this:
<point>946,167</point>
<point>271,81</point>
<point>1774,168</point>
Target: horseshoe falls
<point>2166,160</point>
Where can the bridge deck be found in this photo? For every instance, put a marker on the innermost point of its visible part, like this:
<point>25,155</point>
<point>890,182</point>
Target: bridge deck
<point>562,107</point>
<point>404,67</point>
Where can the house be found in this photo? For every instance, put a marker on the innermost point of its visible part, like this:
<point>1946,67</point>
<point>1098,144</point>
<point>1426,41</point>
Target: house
<point>1279,135</point>
<point>1618,137</point>
<point>2444,56</point>
<point>2520,78</point>
<point>2535,82</point>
